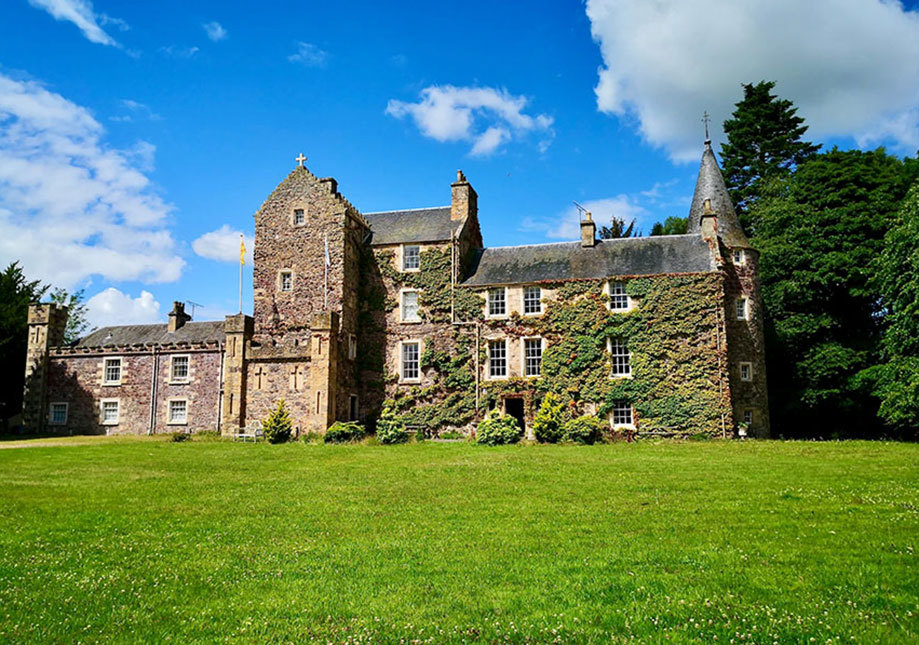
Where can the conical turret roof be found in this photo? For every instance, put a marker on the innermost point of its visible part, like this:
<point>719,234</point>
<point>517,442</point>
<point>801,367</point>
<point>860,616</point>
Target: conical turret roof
<point>710,186</point>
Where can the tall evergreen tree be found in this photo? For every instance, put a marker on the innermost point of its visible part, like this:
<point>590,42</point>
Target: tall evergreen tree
<point>618,228</point>
<point>764,142</point>
<point>16,293</point>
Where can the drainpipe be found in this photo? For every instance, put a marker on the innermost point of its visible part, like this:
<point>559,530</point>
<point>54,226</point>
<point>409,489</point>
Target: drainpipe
<point>153,390</point>
<point>222,347</point>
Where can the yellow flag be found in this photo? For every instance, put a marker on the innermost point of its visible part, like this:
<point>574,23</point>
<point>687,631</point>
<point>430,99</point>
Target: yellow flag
<point>242,250</point>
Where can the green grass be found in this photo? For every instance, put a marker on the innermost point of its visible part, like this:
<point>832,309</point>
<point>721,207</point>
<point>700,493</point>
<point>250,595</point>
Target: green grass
<point>145,540</point>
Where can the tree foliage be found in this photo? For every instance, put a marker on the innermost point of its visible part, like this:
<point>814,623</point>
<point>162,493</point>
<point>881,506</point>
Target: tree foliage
<point>77,324</point>
<point>16,293</point>
<point>618,228</point>
<point>764,142</point>
<point>278,427</point>
<point>819,231</point>
<point>671,226</point>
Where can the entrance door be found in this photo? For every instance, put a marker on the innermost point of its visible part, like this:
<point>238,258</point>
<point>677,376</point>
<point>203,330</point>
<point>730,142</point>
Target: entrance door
<point>514,407</point>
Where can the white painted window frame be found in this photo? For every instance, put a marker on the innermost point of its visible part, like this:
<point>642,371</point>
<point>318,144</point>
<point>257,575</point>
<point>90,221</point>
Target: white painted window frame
<point>51,421</point>
<point>746,308</point>
<point>281,274</point>
<point>172,377</point>
<point>523,355</point>
<point>612,363</point>
<point>177,399</point>
<point>608,290</point>
<point>402,318</point>
<point>105,367</point>
<point>488,313</point>
<point>744,415</point>
<point>402,344</point>
<point>507,364</point>
<point>117,418</point>
<point>293,217</point>
<point>619,425</point>
<point>402,259</point>
<point>523,301</point>
<point>749,367</point>
<point>739,257</point>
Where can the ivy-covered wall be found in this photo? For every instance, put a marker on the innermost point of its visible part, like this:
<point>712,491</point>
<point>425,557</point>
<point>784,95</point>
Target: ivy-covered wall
<point>679,382</point>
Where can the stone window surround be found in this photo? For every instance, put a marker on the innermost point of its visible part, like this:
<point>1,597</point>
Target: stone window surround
<point>748,417</point>
<point>488,313</point>
<point>402,318</point>
<point>105,369</point>
<point>746,308</point>
<point>609,350</point>
<point>402,266</point>
<point>608,290</point>
<point>523,355</point>
<point>356,407</point>
<point>748,367</point>
<point>507,371</point>
<point>280,282</point>
<point>51,406</point>
<point>416,341</point>
<point>172,377</point>
<point>523,303</point>
<point>293,216</point>
<point>352,347</point>
<point>113,422</point>
<point>169,419</point>
<point>620,425</point>
<point>739,257</point>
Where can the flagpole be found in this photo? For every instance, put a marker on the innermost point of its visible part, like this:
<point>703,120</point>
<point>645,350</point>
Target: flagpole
<point>326,264</point>
<point>241,262</point>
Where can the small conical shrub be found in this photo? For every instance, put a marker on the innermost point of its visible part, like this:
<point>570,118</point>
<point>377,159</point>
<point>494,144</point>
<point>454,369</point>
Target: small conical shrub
<point>277,427</point>
<point>547,425</point>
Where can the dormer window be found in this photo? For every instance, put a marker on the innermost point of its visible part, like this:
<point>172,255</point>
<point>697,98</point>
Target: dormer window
<point>411,258</point>
<point>299,217</point>
<point>739,257</point>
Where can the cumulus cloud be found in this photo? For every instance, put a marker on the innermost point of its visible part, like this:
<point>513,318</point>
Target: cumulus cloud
<point>215,31</point>
<point>566,224</point>
<point>81,14</point>
<point>223,245</point>
<point>309,55</point>
<point>851,66</point>
<point>113,307</point>
<point>71,206</point>
<point>486,116</point>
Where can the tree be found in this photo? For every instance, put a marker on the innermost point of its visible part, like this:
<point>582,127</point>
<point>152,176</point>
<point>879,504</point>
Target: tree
<point>764,142</point>
<point>896,381</point>
<point>819,231</point>
<point>278,427</point>
<point>77,325</point>
<point>16,293</point>
<point>617,229</point>
<point>671,226</point>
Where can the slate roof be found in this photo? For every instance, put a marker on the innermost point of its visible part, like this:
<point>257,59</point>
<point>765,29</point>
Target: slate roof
<point>571,261</point>
<point>710,185</point>
<point>190,332</point>
<point>416,225</point>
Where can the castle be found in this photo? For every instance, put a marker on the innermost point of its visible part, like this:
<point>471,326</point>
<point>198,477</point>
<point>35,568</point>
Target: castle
<point>353,311</point>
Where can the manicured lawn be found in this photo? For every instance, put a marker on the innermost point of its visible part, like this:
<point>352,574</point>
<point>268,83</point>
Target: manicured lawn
<point>131,540</point>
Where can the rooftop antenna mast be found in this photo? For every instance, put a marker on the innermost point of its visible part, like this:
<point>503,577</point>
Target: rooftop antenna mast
<point>583,211</point>
<point>193,304</point>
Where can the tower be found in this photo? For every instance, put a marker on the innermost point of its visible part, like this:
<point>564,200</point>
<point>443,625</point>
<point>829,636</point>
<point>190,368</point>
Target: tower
<point>46,329</point>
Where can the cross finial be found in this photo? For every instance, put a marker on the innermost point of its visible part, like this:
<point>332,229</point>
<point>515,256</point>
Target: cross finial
<point>705,119</point>
<point>300,159</point>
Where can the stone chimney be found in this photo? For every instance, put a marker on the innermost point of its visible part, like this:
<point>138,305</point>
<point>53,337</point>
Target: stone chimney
<point>709,221</point>
<point>178,317</point>
<point>588,231</point>
<point>464,200</point>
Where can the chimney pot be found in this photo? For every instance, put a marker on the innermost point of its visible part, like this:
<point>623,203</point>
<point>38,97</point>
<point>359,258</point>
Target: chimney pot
<point>177,317</point>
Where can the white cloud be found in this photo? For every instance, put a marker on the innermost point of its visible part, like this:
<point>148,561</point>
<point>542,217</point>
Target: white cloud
<point>309,55</point>
<point>850,66</point>
<point>223,245</point>
<point>215,31</point>
<point>80,13</point>
<point>566,225</point>
<point>135,109</point>
<point>113,307</point>
<point>174,51</point>
<point>486,116</point>
<point>72,207</point>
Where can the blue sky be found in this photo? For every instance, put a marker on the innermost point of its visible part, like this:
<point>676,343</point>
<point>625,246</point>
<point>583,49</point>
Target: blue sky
<point>138,139</point>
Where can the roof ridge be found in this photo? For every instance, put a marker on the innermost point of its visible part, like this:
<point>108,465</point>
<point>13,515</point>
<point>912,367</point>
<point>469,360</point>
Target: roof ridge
<point>406,210</point>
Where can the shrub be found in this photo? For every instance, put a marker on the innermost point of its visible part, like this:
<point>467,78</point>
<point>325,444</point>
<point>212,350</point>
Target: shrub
<point>497,430</point>
<point>179,437</point>
<point>547,425</point>
<point>586,429</point>
<point>344,431</point>
<point>390,427</point>
<point>278,427</point>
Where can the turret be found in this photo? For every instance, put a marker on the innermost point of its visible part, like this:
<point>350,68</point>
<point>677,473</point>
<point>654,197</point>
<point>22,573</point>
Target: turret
<point>712,202</point>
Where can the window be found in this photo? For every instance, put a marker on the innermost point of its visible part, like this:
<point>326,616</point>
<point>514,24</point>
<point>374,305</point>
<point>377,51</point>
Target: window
<point>178,411</point>
<point>57,414</point>
<point>497,302</point>
<point>741,309</point>
<point>497,358</point>
<point>622,414</point>
<point>532,356</point>
<point>179,369</point>
<point>619,356</point>
<point>748,417</point>
<point>352,346</point>
<point>352,408</point>
<point>739,256</point>
<point>532,300</point>
<point>411,258</point>
<point>109,411</point>
<point>746,371</point>
<point>411,368</point>
<point>112,371</point>
<point>618,300</point>
<point>410,307</point>
<point>299,217</point>
<point>287,280</point>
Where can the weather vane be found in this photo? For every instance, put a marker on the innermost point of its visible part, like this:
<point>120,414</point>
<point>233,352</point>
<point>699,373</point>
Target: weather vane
<point>705,119</point>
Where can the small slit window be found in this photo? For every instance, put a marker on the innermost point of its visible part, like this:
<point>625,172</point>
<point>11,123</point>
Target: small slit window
<point>352,346</point>
<point>287,280</point>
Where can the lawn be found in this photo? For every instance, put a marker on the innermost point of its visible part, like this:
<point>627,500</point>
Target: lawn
<point>142,539</point>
